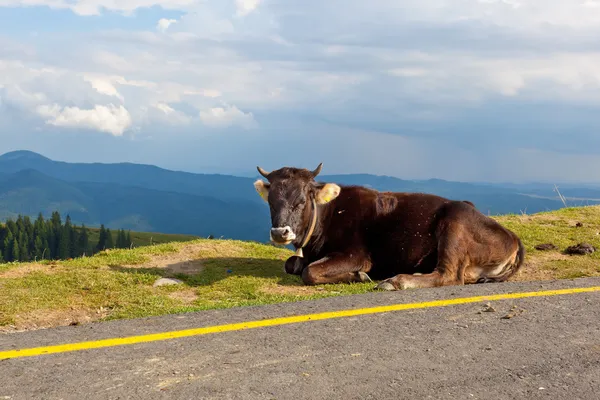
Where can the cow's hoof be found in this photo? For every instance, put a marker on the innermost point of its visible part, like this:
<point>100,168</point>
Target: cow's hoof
<point>364,277</point>
<point>385,285</point>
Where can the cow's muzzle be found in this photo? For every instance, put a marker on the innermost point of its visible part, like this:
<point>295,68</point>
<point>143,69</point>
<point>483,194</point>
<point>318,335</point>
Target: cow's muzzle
<point>283,235</point>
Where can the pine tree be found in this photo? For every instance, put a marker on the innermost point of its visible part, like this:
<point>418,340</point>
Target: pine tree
<point>20,225</point>
<point>122,239</point>
<point>128,241</point>
<point>12,227</point>
<point>109,240</point>
<point>3,233</point>
<point>82,241</point>
<point>119,241</point>
<point>101,239</point>
<point>23,250</point>
<point>14,251</point>
<point>30,231</point>
<point>38,252</point>
<point>8,247</point>
<point>63,243</point>
<point>55,234</point>
<point>72,238</point>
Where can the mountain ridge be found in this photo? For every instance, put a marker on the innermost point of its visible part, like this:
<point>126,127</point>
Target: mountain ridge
<point>144,197</point>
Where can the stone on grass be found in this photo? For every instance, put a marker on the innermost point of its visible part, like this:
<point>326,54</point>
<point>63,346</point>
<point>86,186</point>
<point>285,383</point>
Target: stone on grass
<point>167,281</point>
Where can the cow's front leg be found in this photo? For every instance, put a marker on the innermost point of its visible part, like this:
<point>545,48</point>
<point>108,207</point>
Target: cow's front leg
<point>295,265</point>
<point>337,268</point>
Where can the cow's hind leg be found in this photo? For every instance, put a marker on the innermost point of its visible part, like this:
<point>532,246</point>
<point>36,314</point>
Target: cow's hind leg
<point>451,263</point>
<point>337,268</point>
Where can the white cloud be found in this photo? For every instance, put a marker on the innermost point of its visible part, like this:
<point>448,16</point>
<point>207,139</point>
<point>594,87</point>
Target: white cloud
<point>164,23</point>
<point>430,62</point>
<point>103,86</point>
<point>110,119</point>
<point>97,7</point>
<point>171,115</point>
<point>223,117</point>
<point>245,7</point>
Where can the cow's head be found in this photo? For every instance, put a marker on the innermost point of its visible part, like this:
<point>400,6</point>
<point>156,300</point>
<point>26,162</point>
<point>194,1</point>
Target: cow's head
<point>290,193</point>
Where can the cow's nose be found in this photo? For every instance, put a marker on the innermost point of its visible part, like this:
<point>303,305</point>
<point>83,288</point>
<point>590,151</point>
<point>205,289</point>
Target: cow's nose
<point>282,234</point>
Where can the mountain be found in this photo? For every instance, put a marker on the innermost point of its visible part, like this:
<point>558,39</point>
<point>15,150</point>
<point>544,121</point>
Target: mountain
<point>29,192</point>
<point>148,198</point>
<point>137,175</point>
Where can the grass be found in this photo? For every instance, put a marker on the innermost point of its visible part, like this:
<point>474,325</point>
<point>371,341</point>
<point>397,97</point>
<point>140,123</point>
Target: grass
<point>118,284</point>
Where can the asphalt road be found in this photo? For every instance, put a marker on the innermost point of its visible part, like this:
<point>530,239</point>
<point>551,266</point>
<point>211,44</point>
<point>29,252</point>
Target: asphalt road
<point>549,348</point>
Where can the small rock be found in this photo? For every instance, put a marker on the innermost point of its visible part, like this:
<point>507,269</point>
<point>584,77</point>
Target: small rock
<point>514,311</point>
<point>581,249</point>
<point>167,281</point>
<point>489,308</point>
<point>578,225</point>
<point>545,246</point>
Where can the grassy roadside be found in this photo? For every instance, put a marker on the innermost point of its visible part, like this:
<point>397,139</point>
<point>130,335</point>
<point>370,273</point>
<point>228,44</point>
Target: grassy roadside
<point>224,273</point>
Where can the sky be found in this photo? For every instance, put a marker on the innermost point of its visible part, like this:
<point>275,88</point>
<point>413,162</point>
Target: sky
<point>467,90</point>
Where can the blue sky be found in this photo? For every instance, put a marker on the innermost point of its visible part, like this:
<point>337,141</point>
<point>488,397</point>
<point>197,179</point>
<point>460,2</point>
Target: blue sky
<point>471,90</point>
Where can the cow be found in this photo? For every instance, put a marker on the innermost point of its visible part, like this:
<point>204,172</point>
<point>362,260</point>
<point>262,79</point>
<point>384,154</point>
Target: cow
<point>350,233</point>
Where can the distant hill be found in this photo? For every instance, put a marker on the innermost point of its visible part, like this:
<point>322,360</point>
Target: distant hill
<point>148,198</point>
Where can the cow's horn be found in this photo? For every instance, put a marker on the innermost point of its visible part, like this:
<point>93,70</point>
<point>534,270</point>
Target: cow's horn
<point>262,172</point>
<point>317,171</point>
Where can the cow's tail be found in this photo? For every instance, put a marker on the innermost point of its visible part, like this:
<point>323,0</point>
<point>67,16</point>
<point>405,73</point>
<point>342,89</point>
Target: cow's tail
<point>510,269</point>
<point>516,265</point>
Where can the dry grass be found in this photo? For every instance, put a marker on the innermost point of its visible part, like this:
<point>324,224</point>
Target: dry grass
<point>222,273</point>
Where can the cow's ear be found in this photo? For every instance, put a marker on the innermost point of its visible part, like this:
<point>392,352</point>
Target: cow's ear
<point>262,188</point>
<point>327,192</point>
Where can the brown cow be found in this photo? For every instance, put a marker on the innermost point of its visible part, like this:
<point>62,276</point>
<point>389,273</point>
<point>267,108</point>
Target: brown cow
<point>408,240</point>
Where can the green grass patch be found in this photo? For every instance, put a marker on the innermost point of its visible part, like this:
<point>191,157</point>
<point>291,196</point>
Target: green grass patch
<point>118,284</point>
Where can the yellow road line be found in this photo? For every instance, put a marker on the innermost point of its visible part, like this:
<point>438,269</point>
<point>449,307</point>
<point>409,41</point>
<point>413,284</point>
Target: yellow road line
<point>95,344</point>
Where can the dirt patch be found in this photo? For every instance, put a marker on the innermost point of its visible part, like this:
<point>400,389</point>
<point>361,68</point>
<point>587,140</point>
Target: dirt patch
<point>26,269</point>
<point>42,319</point>
<point>533,269</point>
<point>191,267</point>
<point>184,261</point>
<point>187,296</point>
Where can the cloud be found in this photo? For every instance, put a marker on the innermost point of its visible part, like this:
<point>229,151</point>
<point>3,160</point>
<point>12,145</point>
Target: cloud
<point>164,23</point>
<point>223,117</point>
<point>244,7</point>
<point>97,7</point>
<point>110,119</point>
<point>471,74</point>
